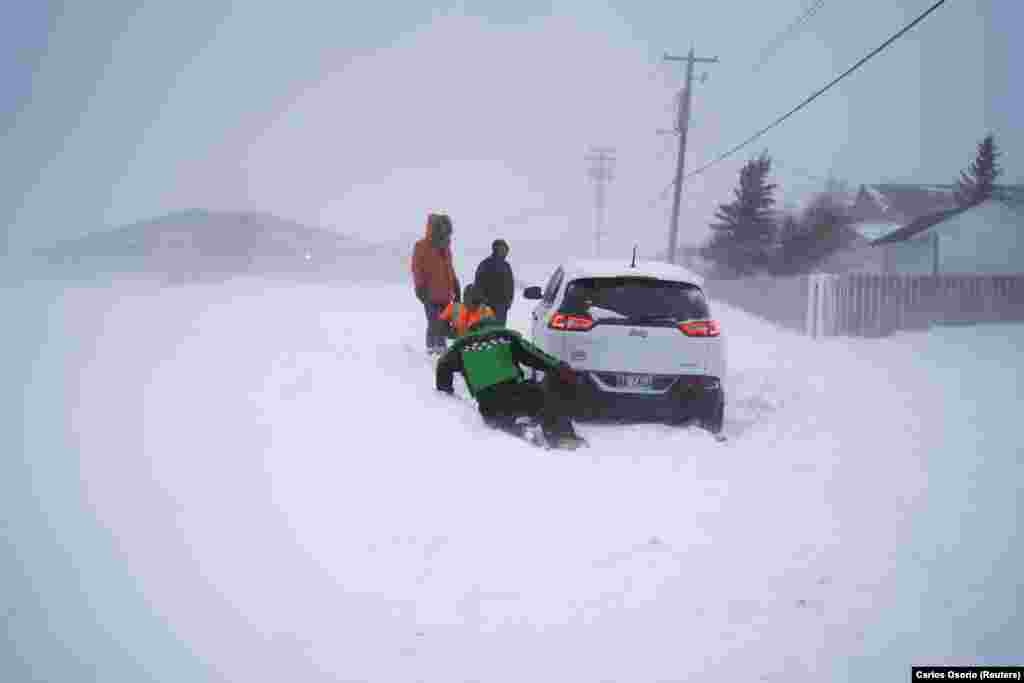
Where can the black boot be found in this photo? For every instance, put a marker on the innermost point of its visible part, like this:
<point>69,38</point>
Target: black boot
<point>565,439</point>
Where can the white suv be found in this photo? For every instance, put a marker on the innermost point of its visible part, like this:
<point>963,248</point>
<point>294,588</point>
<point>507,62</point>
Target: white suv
<point>641,336</point>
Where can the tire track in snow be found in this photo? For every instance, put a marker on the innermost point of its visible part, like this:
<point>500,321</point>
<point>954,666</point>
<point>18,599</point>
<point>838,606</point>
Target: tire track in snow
<point>362,451</point>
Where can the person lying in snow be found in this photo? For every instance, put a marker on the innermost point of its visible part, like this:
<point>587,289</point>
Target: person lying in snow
<point>462,316</point>
<point>489,358</point>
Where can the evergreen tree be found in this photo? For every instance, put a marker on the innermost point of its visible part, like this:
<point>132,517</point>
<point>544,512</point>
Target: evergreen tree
<point>742,238</point>
<point>822,229</point>
<point>791,234</point>
<point>977,183</point>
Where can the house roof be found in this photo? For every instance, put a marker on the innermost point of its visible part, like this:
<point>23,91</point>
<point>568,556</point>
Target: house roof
<point>1011,194</point>
<point>870,230</point>
<point>905,202</point>
<point>917,226</point>
<point>899,202</point>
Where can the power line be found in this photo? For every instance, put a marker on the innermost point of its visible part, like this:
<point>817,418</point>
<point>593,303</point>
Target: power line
<point>664,194</point>
<point>772,48</point>
<point>802,172</point>
<point>775,43</point>
<point>821,91</point>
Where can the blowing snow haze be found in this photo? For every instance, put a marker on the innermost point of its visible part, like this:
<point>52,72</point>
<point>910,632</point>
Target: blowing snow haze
<point>200,245</point>
<point>116,114</point>
<point>223,453</point>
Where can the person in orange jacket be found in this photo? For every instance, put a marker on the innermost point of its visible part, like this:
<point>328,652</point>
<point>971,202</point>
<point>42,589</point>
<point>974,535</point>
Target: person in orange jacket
<point>462,316</point>
<point>434,277</point>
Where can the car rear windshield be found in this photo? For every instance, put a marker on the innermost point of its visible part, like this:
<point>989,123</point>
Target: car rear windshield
<point>635,299</point>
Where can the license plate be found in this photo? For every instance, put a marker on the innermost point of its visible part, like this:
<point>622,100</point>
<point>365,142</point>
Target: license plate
<point>636,381</point>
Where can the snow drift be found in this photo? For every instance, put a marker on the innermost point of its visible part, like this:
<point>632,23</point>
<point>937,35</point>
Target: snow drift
<point>284,496</point>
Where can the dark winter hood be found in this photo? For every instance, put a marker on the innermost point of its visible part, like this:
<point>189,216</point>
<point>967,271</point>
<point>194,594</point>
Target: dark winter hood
<point>499,250</point>
<point>439,230</point>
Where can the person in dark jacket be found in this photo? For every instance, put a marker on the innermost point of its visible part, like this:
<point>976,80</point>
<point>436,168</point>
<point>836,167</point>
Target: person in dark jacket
<point>434,278</point>
<point>494,280</point>
<point>489,358</point>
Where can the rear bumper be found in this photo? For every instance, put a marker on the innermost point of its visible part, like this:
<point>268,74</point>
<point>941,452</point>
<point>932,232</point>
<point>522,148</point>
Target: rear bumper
<point>686,397</point>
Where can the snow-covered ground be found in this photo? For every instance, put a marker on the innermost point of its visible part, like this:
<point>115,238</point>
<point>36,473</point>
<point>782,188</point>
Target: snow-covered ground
<point>255,482</point>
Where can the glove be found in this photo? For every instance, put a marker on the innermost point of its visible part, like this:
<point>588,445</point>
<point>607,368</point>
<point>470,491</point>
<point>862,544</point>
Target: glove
<point>566,374</point>
<point>421,294</point>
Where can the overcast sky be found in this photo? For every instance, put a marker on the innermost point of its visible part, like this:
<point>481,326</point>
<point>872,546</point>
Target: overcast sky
<point>364,117</point>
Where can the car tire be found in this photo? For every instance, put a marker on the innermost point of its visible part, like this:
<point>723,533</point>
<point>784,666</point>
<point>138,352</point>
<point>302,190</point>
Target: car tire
<point>714,417</point>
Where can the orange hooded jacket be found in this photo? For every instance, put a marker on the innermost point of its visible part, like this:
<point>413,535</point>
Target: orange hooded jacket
<point>432,268</point>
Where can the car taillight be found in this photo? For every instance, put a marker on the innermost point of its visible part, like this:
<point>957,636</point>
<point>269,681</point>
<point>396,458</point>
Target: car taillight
<point>570,323</point>
<point>700,328</point>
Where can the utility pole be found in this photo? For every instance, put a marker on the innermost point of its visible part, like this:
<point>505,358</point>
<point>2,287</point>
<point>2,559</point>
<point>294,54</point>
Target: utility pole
<point>602,160</point>
<point>682,126</point>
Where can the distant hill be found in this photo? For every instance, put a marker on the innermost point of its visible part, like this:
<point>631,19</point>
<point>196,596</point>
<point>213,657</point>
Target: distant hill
<point>201,245</point>
<point>208,246</point>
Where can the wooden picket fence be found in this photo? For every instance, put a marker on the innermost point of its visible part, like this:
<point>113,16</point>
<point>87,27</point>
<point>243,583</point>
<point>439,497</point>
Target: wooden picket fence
<point>872,305</point>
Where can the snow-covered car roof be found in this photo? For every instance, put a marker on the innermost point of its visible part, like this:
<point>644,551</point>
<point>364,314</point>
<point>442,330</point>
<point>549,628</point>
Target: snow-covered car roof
<point>579,268</point>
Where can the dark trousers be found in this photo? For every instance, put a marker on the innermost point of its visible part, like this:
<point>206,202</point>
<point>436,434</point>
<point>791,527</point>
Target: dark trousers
<point>549,401</point>
<point>436,328</point>
<point>500,314</point>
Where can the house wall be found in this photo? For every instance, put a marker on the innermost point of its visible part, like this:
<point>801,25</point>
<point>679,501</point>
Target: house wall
<point>987,240</point>
<point>915,256</point>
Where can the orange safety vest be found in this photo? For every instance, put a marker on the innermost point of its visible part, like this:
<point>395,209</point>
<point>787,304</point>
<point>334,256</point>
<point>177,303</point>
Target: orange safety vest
<point>462,318</point>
